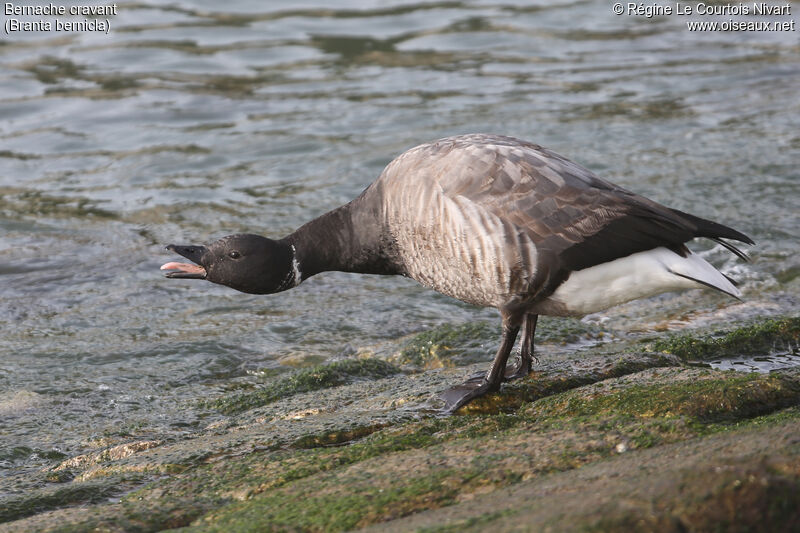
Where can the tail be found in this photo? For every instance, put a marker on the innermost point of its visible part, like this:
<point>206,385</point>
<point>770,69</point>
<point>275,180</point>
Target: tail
<point>716,232</point>
<point>695,268</point>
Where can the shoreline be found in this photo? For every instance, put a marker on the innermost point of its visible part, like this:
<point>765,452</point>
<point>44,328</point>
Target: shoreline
<point>619,435</point>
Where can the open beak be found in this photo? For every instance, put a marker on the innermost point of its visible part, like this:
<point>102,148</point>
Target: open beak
<point>186,270</point>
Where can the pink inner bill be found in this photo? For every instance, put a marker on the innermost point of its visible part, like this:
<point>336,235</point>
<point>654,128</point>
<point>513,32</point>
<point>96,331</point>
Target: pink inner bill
<point>184,267</point>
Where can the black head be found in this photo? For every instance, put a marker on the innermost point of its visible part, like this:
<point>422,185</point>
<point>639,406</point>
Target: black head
<point>247,263</point>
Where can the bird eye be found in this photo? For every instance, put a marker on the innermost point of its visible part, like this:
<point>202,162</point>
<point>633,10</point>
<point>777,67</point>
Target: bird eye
<point>234,255</point>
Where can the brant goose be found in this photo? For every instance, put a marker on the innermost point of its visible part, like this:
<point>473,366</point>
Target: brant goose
<point>493,221</point>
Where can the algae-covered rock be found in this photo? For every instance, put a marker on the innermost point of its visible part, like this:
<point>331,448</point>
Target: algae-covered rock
<point>555,378</point>
<point>607,438</point>
<point>449,345</point>
<point>436,463</point>
<point>744,480</point>
<point>698,394</point>
<point>61,495</point>
<point>309,379</point>
<point>763,337</point>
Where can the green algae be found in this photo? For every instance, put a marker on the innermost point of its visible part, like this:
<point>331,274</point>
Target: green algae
<point>306,380</point>
<point>248,476</point>
<point>774,418</point>
<point>332,438</point>
<point>59,496</point>
<point>276,468</point>
<point>759,338</point>
<point>563,330</point>
<point>707,400</point>
<point>338,508</point>
<point>27,203</point>
<point>537,385</point>
<point>267,472</point>
<point>438,347</point>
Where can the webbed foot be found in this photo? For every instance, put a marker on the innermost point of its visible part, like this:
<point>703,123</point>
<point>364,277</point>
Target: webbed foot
<point>457,396</point>
<point>477,385</point>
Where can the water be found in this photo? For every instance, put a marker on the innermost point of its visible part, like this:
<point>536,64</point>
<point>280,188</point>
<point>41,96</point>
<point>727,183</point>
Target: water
<point>193,120</point>
<point>761,364</point>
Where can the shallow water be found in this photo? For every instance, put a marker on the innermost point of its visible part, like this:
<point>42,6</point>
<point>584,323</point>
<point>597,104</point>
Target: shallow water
<point>191,121</point>
<point>762,364</point>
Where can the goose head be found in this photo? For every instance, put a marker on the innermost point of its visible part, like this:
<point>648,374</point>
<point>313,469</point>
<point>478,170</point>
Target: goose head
<point>245,262</point>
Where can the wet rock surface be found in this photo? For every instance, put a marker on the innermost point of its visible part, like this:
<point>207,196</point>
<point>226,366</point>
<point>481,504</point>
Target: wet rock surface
<point>612,436</point>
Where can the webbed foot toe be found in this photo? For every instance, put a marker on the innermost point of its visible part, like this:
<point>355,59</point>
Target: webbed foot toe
<point>460,395</point>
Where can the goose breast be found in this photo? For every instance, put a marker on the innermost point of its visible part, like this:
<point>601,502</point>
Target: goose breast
<point>467,214</point>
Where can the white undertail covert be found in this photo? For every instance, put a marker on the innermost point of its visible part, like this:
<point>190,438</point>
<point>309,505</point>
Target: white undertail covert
<point>635,276</point>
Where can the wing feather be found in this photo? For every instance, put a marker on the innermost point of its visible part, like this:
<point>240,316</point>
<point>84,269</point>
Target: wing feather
<point>576,219</point>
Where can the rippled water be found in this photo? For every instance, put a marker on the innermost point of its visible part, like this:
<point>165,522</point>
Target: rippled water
<point>761,364</point>
<point>190,121</point>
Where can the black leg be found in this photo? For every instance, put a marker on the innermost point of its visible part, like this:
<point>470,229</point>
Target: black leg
<point>461,394</point>
<point>524,364</point>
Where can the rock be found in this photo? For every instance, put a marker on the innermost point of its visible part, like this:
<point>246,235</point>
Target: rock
<point>619,436</point>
